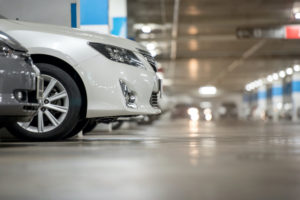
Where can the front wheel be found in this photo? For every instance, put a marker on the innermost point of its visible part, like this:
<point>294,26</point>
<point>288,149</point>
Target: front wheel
<point>91,125</point>
<point>59,111</point>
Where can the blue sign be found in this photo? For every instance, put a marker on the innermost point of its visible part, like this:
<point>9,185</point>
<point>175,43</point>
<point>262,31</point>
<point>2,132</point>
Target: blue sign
<point>73,15</point>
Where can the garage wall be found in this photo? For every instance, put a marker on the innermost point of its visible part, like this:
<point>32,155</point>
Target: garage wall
<point>56,12</point>
<point>94,15</point>
<point>104,16</point>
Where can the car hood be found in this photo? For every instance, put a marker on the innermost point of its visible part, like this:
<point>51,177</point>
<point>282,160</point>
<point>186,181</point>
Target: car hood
<point>11,25</point>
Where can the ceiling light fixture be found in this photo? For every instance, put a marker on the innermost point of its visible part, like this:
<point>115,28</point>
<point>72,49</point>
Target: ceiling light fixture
<point>270,78</point>
<point>282,74</point>
<point>192,30</point>
<point>297,15</point>
<point>259,83</point>
<point>289,71</point>
<point>296,68</point>
<point>248,88</point>
<point>146,29</point>
<point>208,90</point>
<point>275,76</point>
<point>150,46</point>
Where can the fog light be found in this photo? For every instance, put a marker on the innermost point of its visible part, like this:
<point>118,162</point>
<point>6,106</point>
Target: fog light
<point>20,95</point>
<point>128,94</point>
<point>131,99</point>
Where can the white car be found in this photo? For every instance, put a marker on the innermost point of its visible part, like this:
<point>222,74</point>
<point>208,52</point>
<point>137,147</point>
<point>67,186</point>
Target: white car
<point>86,75</point>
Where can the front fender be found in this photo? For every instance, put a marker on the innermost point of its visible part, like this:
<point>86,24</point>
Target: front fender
<point>54,53</point>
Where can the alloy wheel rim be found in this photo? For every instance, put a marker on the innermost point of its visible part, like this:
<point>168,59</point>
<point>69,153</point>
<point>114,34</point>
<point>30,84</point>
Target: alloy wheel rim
<point>53,109</point>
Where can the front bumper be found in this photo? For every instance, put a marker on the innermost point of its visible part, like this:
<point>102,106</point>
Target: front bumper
<point>18,76</point>
<point>15,109</point>
<point>105,98</point>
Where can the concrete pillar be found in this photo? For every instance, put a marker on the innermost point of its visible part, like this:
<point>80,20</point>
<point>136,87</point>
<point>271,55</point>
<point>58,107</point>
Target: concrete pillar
<point>254,99</point>
<point>94,15</point>
<point>269,102</point>
<point>246,105</point>
<point>104,16</point>
<point>252,104</point>
<point>296,97</point>
<point>118,17</point>
<point>262,102</point>
<point>277,99</point>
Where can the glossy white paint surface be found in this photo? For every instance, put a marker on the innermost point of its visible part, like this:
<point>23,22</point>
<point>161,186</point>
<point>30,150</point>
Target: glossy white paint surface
<point>100,75</point>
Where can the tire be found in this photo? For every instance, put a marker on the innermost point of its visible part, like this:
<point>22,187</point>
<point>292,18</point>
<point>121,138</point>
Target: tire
<point>116,125</point>
<point>79,127</point>
<point>91,125</point>
<point>59,113</point>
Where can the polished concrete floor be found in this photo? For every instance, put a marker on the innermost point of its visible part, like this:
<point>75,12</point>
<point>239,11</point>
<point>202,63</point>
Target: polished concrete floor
<point>171,160</point>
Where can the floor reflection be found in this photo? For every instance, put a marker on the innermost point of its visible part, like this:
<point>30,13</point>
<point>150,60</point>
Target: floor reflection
<point>193,128</point>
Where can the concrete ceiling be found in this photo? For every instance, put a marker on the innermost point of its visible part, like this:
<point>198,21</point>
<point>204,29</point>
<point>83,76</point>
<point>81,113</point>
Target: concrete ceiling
<point>208,51</point>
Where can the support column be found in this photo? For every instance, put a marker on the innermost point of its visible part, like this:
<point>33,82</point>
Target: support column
<point>262,102</point>
<point>94,15</point>
<point>253,103</point>
<point>246,105</point>
<point>277,99</point>
<point>296,97</point>
<point>118,17</point>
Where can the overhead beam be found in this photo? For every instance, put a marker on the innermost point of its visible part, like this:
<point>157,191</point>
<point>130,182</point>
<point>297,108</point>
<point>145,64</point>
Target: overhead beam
<point>238,62</point>
<point>175,30</point>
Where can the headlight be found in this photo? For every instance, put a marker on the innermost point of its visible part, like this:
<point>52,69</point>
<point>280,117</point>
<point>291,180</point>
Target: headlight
<point>7,52</point>
<point>117,54</point>
<point>11,42</point>
<point>10,48</point>
<point>149,58</point>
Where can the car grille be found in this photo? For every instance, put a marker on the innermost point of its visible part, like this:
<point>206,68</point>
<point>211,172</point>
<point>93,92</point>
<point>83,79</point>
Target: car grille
<point>154,100</point>
<point>149,58</point>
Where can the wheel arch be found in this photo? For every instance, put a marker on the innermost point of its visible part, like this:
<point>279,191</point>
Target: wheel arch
<point>42,58</point>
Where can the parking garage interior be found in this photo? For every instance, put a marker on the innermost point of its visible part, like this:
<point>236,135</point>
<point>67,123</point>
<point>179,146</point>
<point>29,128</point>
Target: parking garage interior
<point>230,120</point>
